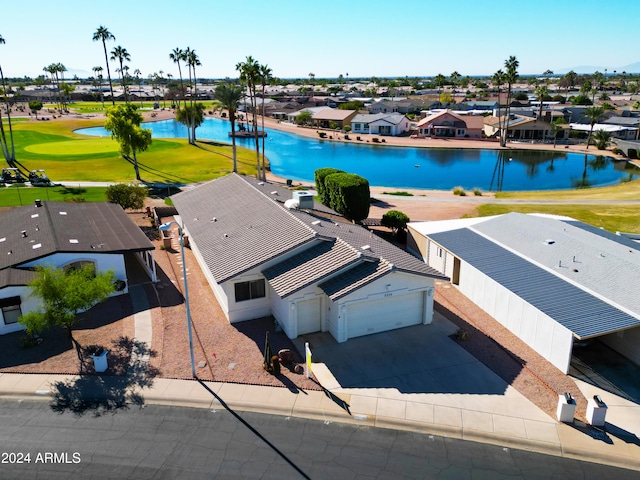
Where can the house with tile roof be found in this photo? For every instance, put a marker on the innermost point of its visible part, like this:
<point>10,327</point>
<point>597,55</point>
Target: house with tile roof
<point>451,125</point>
<point>380,124</point>
<point>519,127</point>
<point>552,281</point>
<point>65,235</point>
<point>330,116</point>
<point>298,264</point>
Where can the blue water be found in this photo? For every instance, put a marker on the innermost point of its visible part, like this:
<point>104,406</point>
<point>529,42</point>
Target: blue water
<point>295,157</point>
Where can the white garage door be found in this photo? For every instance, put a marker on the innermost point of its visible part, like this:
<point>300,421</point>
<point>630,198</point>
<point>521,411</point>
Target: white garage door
<point>373,316</point>
<point>309,316</point>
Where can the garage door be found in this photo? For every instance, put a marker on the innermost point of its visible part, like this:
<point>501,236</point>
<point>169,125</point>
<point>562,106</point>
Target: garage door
<point>373,316</point>
<point>309,316</point>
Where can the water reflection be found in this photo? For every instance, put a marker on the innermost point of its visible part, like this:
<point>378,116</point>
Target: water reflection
<point>295,157</point>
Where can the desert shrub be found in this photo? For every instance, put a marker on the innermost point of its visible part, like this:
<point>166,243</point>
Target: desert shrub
<point>459,191</point>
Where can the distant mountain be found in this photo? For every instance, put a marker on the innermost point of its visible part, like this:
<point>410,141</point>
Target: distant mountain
<point>631,68</point>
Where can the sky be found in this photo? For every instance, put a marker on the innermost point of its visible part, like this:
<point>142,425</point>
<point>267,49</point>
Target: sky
<point>328,38</point>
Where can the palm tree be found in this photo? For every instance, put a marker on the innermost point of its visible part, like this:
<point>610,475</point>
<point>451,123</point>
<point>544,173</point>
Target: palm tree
<point>541,92</point>
<point>60,68</point>
<point>177,55</point>
<point>593,114</point>
<point>455,76</point>
<point>265,77</point>
<point>511,77</point>
<point>10,157</point>
<point>119,53</point>
<point>498,80</point>
<point>602,138</point>
<point>98,73</point>
<point>102,34</point>
<point>138,74</point>
<point>193,61</point>
<point>250,74</point>
<point>547,74</point>
<point>228,96</point>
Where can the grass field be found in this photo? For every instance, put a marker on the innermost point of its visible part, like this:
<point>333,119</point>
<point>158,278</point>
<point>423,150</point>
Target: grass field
<point>68,156</point>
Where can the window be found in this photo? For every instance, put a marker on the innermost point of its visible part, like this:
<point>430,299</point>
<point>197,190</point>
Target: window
<point>79,265</point>
<point>10,309</point>
<point>250,290</point>
<point>440,252</point>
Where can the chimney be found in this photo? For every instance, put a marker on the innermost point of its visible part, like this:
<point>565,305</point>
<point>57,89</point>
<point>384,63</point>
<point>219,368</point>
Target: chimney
<point>38,203</point>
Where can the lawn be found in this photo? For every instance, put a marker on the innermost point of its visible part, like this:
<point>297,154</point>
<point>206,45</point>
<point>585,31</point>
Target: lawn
<point>623,218</point>
<point>68,156</point>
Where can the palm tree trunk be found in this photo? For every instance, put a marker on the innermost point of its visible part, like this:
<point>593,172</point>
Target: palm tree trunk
<point>232,118</point>
<point>135,164</point>
<point>3,141</point>
<point>106,59</point>
<point>12,157</point>
<point>264,169</point>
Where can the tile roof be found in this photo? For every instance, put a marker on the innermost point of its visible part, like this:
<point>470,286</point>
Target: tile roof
<point>12,277</point>
<point>66,227</point>
<point>260,229</point>
<point>236,226</point>
<point>333,114</point>
<point>310,266</point>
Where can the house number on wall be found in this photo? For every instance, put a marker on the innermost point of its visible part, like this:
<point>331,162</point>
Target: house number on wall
<point>388,294</point>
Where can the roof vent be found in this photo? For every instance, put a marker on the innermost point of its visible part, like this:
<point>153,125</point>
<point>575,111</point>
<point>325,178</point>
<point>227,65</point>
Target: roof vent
<point>37,245</point>
<point>35,215</point>
<point>549,241</point>
<point>63,213</point>
<point>3,239</point>
<point>214,219</point>
<point>291,204</point>
<point>366,247</point>
<point>316,222</point>
<point>38,203</point>
<point>73,240</point>
<point>23,233</point>
<point>275,192</point>
<point>260,183</point>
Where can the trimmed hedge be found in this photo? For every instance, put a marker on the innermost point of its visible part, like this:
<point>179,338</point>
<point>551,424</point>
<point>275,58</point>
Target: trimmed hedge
<point>319,177</point>
<point>348,195</point>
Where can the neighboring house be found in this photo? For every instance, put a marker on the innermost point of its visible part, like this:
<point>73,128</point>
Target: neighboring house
<point>65,235</point>
<point>552,281</point>
<point>451,125</point>
<point>328,117</point>
<point>616,131</point>
<point>301,266</point>
<point>291,117</point>
<point>519,128</point>
<point>380,124</point>
<point>485,105</point>
<point>399,106</point>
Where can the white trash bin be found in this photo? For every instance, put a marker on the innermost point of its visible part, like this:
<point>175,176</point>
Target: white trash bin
<point>596,411</point>
<point>100,361</point>
<point>566,408</point>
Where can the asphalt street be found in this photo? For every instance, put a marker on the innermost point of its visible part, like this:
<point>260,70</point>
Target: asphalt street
<point>176,442</point>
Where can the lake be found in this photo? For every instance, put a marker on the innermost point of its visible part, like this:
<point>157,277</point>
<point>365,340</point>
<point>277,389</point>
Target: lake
<point>296,157</point>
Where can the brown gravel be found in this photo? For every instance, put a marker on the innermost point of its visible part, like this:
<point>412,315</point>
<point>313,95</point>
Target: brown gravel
<point>232,353</point>
<point>508,356</point>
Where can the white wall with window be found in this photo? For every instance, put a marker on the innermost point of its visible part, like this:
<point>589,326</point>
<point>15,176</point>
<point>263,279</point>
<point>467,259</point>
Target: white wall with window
<point>15,301</point>
<point>102,262</point>
<point>247,297</point>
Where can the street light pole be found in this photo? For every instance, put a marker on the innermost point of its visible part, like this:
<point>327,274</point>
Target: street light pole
<point>164,227</point>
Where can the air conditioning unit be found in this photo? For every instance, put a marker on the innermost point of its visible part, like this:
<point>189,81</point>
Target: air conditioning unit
<point>305,199</point>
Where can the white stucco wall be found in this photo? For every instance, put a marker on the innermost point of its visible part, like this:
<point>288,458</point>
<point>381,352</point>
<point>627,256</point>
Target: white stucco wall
<point>27,305</point>
<point>103,262</point>
<point>550,339</point>
<point>285,310</point>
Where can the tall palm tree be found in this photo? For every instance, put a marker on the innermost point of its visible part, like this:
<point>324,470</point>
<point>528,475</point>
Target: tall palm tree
<point>60,68</point>
<point>177,55</point>
<point>119,53</point>
<point>102,34</point>
<point>98,73</point>
<point>593,114</point>
<point>510,77</point>
<point>228,96</point>
<point>541,92</point>
<point>250,75</point>
<point>498,81</point>
<point>455,76</point>
<point>193,61</point>
<point>265,78</point>
<point>10,157</point>
<point>138,74</point>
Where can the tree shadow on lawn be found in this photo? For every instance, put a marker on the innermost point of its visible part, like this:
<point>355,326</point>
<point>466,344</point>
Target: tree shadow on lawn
<point>99,394</point>
<point>170,177</point>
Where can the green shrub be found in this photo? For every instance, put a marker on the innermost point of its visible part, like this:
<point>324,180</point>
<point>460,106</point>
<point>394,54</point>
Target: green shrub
<point>399,194</point>
<point>348,195</point>
<point>319,178</point>
<point>347,128</point>
<point>477,192</point>
<point>459,191</point>
<point>127,196</point>
<point>395,220</point>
